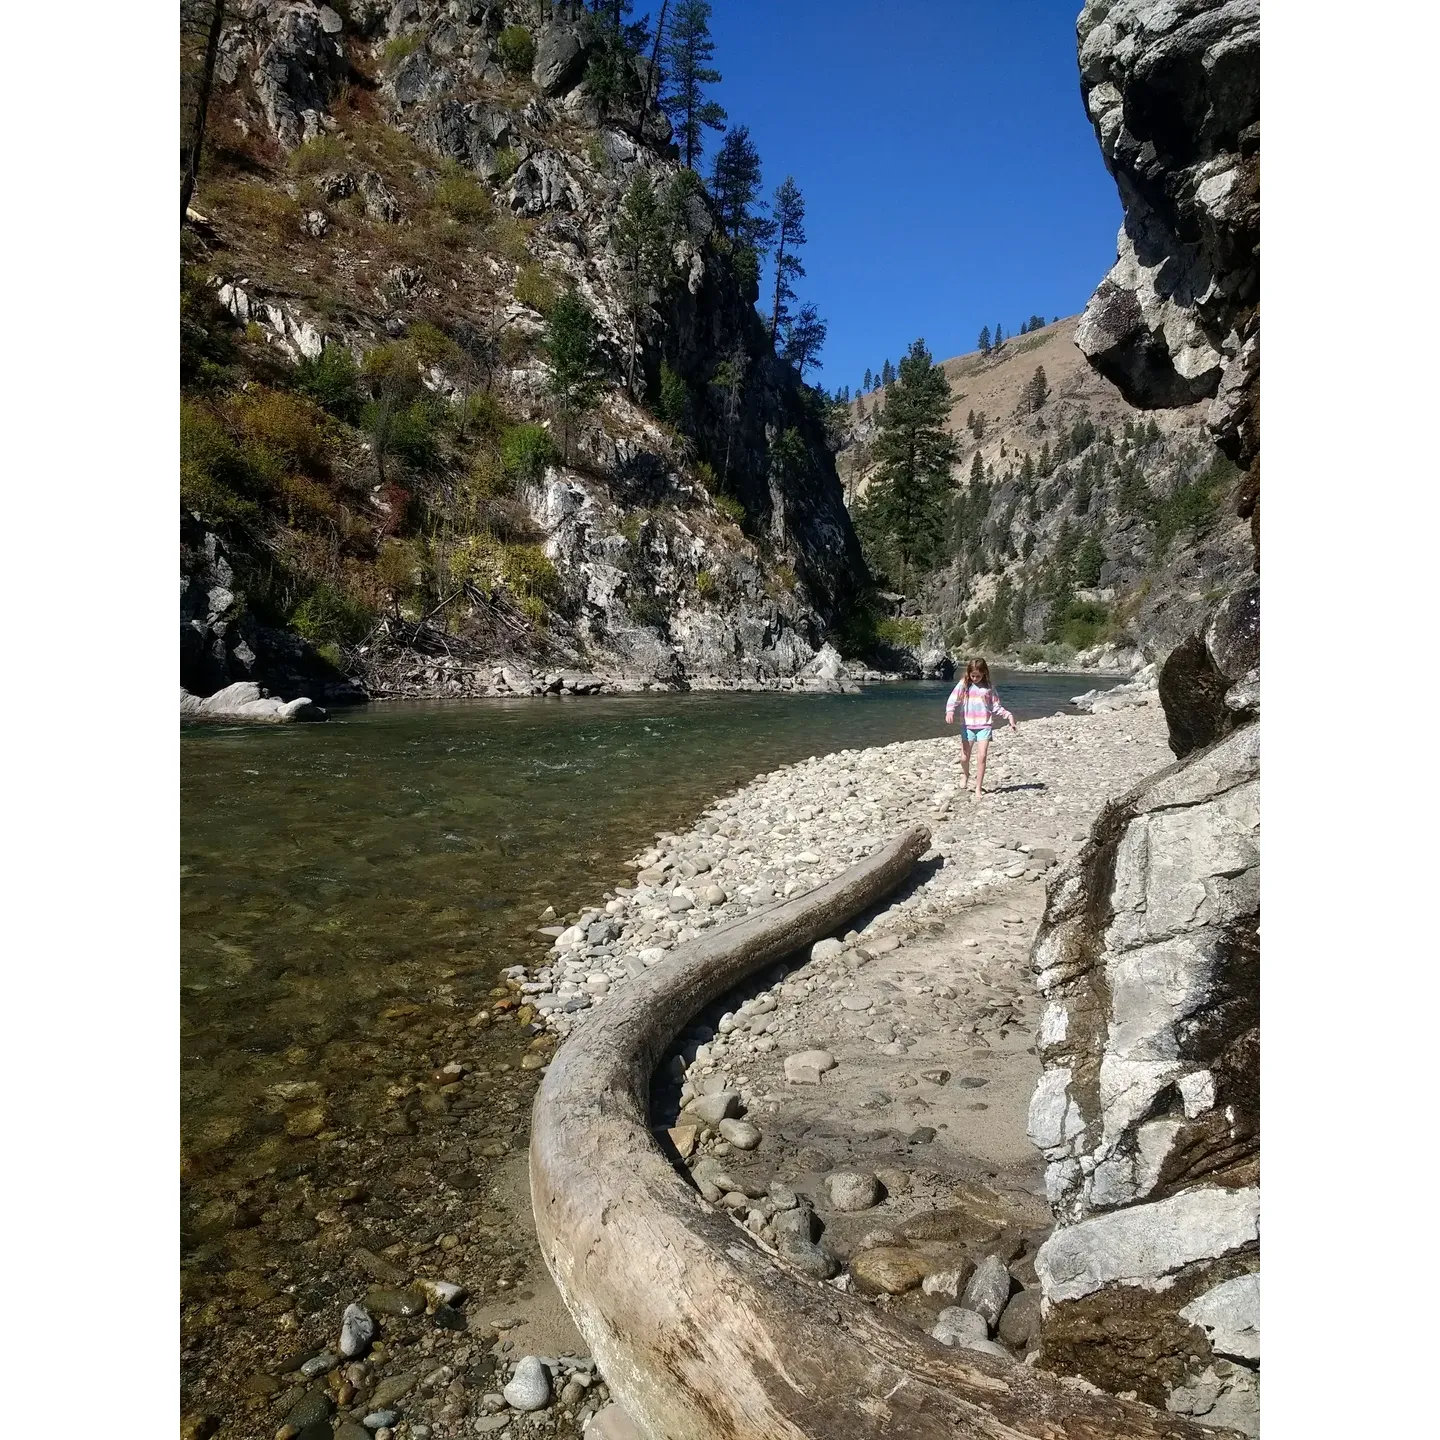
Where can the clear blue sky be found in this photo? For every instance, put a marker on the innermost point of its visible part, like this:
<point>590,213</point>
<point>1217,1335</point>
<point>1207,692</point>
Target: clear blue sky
<point>950,174</point>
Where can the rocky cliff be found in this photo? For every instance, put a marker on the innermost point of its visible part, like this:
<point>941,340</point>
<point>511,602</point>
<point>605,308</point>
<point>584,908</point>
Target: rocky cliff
<point>1148,1106</point>
<point>393,200</point>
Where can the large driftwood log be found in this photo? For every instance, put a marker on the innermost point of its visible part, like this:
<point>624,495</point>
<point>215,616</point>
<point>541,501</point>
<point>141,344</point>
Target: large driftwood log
<point>700,1334</point>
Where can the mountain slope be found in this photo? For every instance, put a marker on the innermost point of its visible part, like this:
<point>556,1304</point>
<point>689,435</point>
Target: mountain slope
<point>379,484</point>
<point>1086,521</point>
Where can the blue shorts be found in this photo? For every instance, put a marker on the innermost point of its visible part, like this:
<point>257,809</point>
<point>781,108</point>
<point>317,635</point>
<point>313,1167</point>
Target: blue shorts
<point>973,735</point>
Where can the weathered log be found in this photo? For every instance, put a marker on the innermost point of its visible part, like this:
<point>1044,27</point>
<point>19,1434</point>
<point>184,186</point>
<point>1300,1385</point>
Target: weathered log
<point>700,1334</point>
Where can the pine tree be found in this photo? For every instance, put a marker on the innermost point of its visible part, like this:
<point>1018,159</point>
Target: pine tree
<point>804,338</point>
<point>887,374</point>
<point>688,51</point>
<point>1089,559</point>
<point>789,212</point>
<point>729,379</point>
<point>907,501</point>
<point>570,346</point>
<point>977,470</point>
<point>640,241</point>
<point>999,336</point>
<point>985,340</point>
<point>735,188</point>
<point>867,386</point>
<point>1027,470</point>
<point>1038,389</point>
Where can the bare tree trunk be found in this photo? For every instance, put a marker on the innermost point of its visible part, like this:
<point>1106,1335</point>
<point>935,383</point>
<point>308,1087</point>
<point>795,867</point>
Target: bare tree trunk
<point>654,70</point>
<point>202,106</point>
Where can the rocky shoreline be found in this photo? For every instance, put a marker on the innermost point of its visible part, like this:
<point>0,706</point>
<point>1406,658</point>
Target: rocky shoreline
<point>901,1146</point>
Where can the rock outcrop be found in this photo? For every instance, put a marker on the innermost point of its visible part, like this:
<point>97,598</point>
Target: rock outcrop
<point>712,545</point>
<point>246,703</point>
<point>1147,1109</point>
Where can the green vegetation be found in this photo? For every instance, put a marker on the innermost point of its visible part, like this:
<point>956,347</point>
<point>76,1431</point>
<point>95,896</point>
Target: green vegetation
<point>901,521</point>
<point>907,633</point>
<point>507,162</point>
<point>533,287</point>
<point>527,450</point>
<point>686,52</point>
<point>332,380</point>
<point>730,508</point>
<point>327,615</point>
<point>674,397</point>
<point>706,585</point>
<point>1193,505</point>
<point>398,49</point>
<point>515,49</point>
<point>322,152</point>
<point>461,196</point>
<point>571,344</point>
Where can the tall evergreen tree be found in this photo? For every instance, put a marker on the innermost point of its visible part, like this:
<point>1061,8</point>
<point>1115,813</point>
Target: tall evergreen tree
<point>789,212</point>
<point>887,374</point>
<point>571,347</point>
<point>729,380</point>
<point>999,336</point>
<point>804,338</point>
<point>735,188</point>
<point>688,51</point>
<point>907,501</point>
<point>985,340</point>
<point>640,241</point>
<point>867,384</point>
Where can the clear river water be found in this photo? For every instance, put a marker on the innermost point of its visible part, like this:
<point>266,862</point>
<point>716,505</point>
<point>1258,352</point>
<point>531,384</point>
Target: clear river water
<point>403,853</point>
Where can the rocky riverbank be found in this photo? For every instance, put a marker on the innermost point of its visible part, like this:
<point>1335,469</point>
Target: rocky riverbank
<point>413,1203</point>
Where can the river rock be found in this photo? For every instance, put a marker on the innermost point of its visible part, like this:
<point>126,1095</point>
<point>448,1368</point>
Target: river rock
<point>1021,1320</point>
<point>391,1389</point>
<point>740,1133</point>
<point>529,1389</point>
<point>989,1289</point>
<point>797,1222</point>
<point>955,1325</point>
<point>712,1109</point>
<point>385,1301</point>
<point>713,895</point>
<point>888,1269</point>
<point>315,1405</point>
<point>851,1191</point>
<point>357,1330</point>
<point>826,949</point>
<point>949,1283</point>
<point>613,1423</point>
<point>806,1067</point>
<point>808,1258</point>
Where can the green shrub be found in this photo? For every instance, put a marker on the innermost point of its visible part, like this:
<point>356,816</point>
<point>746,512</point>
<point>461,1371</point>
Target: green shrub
<point>892,630</point>
<point>706,585</point>
<point>533,287</point>
<point>526,451</point>
<point>730,508</point>
<point>674,397</point>
<point>332,379</point>
<point>507,162</point>
<point>515,49</point>
<point>460,196</point>
<point>1089,559</point>
<point>430,344</point>
<point>323,152</point>
<point>1193,505</point>
<point>329,616</point>
<point>412,436</point>
<point>1032,654</point>
<point>399,48</point>
<point>485,414</point>
<point>212,472</point>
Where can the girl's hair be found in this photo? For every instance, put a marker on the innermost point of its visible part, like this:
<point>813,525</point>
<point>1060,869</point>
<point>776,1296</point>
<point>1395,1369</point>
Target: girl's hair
<point>977,672</point>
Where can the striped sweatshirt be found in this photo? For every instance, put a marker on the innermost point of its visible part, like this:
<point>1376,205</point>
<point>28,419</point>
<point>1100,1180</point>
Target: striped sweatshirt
<point>981,705</point>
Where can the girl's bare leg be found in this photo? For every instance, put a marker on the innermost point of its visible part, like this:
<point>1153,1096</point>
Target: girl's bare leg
<point>965,762</point>
<point>982,749</point>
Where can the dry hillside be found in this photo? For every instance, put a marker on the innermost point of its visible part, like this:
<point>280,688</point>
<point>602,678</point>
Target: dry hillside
<point>1088,521</point>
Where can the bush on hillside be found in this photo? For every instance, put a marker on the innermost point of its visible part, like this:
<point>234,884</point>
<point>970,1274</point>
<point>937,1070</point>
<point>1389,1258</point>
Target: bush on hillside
<point>329,615</point>
<point>730,508</point>
<point>321,152</point>
<point>332,380</point>
<point>533,287</point>
<point>515,49</point>
<point>460,196</point>
<point>526,451</point>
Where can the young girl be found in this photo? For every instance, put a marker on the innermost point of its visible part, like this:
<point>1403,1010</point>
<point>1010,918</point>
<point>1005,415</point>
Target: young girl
<point>979,705</point>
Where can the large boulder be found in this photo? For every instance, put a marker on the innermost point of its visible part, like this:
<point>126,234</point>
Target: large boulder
<point>300,62</point>
<point>560,59</point>
<point>1210,682</point>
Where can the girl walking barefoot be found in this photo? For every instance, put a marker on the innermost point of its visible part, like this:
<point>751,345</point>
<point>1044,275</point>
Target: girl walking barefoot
<point>979,705</point>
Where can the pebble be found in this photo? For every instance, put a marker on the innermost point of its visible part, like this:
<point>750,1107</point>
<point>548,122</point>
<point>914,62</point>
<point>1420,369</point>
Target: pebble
<point>378,1419</point>
<point>826,949</point>
<point>529,1389</point>
<point>391,1389</point>
<point>312,1406</point>
<point>357,1330</point>
<point>851,1191</point>
<point>713,895</point>
<point>488,1424</point>
<point>385,1301</point>
<point>319,1365</point>
<point>856,1002</point>
<point>612,1423</point>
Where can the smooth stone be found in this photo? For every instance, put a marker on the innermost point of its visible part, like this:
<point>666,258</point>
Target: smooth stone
<point>713,895</point>
<point>826,949</point>
<point>856,1002</point>
<point>988,1347</point>
<point>378,1419</point>
<point>489,1424</point>
<point>357,1330</point>
<point>850,1191</point>
<point>796,1223</point>
<point>385,1301</point>
<point>351,1430</point>
<point>315,1405</point>
<point>948,1283</point>
<point>391,1389</point>
<point>955,1325</point>
<point>319,1364</point>
<point>740,1133</point>
<point>808,1258</point>
<point>1021,1321</point>
<point>712,1109</point>
<point>680,903</point>
<point>989,1289</point>
<point>807,1066</point>
<point>882,944</point>
<point>529,1389</point>
<point>887,1269</point>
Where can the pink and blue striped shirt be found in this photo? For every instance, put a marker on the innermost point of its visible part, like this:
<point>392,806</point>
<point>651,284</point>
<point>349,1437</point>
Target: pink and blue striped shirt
<point>981,703</point>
